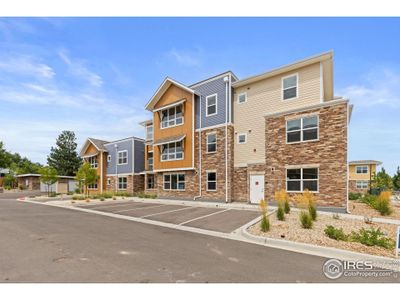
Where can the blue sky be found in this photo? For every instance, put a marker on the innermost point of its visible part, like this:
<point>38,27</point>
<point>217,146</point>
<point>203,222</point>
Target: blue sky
<point>94,75</point>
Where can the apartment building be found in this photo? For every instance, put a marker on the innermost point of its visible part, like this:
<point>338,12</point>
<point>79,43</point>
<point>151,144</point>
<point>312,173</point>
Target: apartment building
<point>361,174</point>
<point>119,164</point>
<point>242,140</point>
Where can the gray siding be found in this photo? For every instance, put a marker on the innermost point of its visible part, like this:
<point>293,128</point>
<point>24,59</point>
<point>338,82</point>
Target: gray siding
<point>217,86</point>
<point>112,150</point>
<point>139,156</point>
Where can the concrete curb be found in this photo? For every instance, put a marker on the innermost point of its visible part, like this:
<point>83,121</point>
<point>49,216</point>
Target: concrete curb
<point>328,252</point>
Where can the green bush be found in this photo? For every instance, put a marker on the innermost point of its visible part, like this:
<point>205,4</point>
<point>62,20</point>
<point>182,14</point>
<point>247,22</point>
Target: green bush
<point>372,237</point>
<point>286,207</point>
<point>53,194</point>
<point>355,196</point>
<point>313,211</point>
<point>78,197</point>
<point>306,220</point>
<point>335,233</point>
<point>280,214</point>
<point>265,224</point>
<point>381,205</point>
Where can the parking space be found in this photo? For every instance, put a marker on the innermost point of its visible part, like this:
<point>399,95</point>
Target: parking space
<point>210,218</point>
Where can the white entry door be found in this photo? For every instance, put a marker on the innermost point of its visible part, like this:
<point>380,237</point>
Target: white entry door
<point>256,188</point>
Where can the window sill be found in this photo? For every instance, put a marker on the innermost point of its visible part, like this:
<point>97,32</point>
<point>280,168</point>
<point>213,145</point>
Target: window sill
<point>301,142</point>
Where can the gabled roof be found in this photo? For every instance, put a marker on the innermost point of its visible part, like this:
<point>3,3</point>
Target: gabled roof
<point>286,68</point>
<point>213,78</point>
<point>161,90</point>
<point>365,162</point>
<point>99,144</point>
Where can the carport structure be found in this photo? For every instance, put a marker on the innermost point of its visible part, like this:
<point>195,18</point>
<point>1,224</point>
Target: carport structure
<point>218,219</point>
<point>31,182</point>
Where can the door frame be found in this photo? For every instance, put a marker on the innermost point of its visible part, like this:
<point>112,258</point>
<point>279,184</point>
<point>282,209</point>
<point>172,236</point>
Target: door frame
<point>259,173</point>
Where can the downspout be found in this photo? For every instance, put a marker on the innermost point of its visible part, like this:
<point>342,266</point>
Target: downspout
<point>347,160</point>
<point>200,130</point>
<point>101,171</point>
<point>116,167</point>
<point>226,79</point>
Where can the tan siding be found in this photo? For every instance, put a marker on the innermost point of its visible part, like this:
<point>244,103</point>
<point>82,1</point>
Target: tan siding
<point>266,97</point>
<point>354,176</point>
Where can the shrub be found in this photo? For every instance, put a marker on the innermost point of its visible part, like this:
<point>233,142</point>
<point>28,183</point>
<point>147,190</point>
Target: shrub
<point>380,203</point>
<point>114,198</point>
<point>53,194</point>
<point>306,220</point>
<point>335,233</point>
<point>354,196</point>
<point>286,207</point>
<point>102,199</point>
<point>78,197</point>
<point>372,237</point>
<point>265,223</point>
<point>313,212</point>
<point>280,214</point>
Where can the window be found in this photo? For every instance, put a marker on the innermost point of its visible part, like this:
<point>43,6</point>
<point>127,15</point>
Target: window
<point>149,132</point>
<point>108,181</point>
<point>242,98</point>
<point>303,129</point>
<point>92,186</point>
<point>211,181</point>
<point>362,169</point>
<point>122,183</point>
<point>150,160</point>
<point>289,87</point>
<point>150,181</point>
<point>172,151</point>
<point>211,105</point>
<point>108,158</point>
<point>122,157</point>
<point>211,143</point>
<point>362,184</point>
<point>172,116</point>
<point>174,182</point>
<point>93,162</point>
<point>242,138</point>
<point>301,179</point>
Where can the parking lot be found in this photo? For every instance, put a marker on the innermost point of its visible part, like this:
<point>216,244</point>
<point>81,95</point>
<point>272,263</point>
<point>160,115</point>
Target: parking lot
<point>210,218</point>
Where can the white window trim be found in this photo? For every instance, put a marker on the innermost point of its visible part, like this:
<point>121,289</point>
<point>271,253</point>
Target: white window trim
<point>147,181</point>
<point>94,165</point>
<point>363,166</point>
<point>161,154</point>
<point>108,181</point>
<point>301,179</point>
<point>120,164</point>
<point>122,189</point>
<point>177,182</point>
<point>93,188</point>
<point>297,86</point>
<point>302,130</point>
<point>362,181</point>
<point>207,143</point>
<point>171,126</point>
<point>216,180</point>
<point>152,132</point>
<point>216,105</point>
<point>245,141</point>
<point>108,158</point>
<point>241,94</point>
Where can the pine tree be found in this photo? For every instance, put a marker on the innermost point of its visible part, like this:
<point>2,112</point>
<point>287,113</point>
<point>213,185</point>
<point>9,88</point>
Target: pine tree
<point>382,180</point>
<point>396,179</point>
<point>64,157</point>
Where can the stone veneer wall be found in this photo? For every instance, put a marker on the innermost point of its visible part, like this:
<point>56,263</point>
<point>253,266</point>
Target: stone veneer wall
<point>329,152</point>
<point>353,187</point>
<point>135,183</point>
<point>241,186</point>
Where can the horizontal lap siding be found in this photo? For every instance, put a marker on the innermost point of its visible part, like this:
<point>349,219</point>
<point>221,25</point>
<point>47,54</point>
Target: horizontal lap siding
<point>265,97</point>
<point>122,146</point>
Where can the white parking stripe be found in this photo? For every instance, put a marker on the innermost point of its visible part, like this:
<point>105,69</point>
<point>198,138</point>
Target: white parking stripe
<point>209,215</point>
<point>168,211</point>
<point>137,208</point>
<point>107,206</point>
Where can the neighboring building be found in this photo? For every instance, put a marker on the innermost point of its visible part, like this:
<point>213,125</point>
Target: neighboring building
<point>361,174</point>
<point>119,164</point>
<point>31,182</point>
<point>3,173</point>
<point>242,140</point>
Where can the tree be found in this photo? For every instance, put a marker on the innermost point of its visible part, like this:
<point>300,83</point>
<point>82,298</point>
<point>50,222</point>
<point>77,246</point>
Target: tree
<point>3,156</point>
<point>382,180</point>
<point>86,176</point>
<point>16,163</point>
<point>48,176</point>
<point>396,179</point>
<point>64,157</point>
<point>10,181</point>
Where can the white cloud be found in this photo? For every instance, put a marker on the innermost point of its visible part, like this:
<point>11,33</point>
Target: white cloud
<point>186,58</point>
<point>26,66</point>
<point>79,70</point>
<point>381,87</point>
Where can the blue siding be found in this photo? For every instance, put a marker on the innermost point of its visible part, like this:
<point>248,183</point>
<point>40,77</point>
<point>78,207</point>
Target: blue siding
<point>217,86</point>
<point>112,150</point>
<point>139,156</point>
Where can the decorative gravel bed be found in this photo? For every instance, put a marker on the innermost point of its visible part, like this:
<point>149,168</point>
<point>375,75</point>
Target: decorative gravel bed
<point>362,209</point>
<point>291,229</point>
